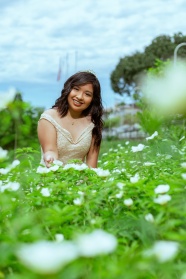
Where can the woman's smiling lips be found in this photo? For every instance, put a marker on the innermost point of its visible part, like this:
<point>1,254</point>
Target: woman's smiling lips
<point>77,103</point>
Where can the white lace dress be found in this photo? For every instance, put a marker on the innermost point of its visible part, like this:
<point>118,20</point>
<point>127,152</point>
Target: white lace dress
<point>69,149</point>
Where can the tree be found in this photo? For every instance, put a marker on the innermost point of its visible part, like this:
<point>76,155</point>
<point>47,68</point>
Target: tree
<point>19,124</point>
<point>126,76</point>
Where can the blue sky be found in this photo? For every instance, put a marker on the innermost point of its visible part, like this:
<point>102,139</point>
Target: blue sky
<point>84,34</point>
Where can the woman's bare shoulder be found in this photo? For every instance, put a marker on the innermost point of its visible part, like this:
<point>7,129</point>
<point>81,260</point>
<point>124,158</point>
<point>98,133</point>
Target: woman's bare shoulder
<point>52,112</point>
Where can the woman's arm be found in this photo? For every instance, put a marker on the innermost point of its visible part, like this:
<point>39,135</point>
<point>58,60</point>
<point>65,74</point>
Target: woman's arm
<point>47,138</point>
<point>92,156</point>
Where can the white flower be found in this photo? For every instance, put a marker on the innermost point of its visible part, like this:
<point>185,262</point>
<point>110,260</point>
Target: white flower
<point>120,185</point>
<point>45,192</point>
<point>47,257</point>
<point>96,243</point>
<point>59,237</point>
<point>116,171</point>
<point>161,189</point>
<point>111,179</point>
<point>168,157</point>
<point>147,164</point>
<point>183,165</point>
<point>54,168</point>
<point>5,171</point>
<point>78,201</point>
<point>12,186</point>
<point>58,163</point>
<point>75,166</point>
<point>15,163</point>
<point>43,169</point>
<point>137,148</point>
<point>163,250</point>
<point>3,153</point>
<point>100,172</point>
<point>149,217</point>
<point>7,97</point>
<point>183,176</point>
<point>104,154</point>
<point>162,199</point>
<point>128,202</point>
<point>135,178</point>
<point>119,195</point>
<point>81,193</point>
<point>152,136</point>
<point>94,191</point>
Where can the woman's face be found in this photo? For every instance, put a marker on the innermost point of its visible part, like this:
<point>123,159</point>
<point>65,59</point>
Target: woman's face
<point>80,97</point>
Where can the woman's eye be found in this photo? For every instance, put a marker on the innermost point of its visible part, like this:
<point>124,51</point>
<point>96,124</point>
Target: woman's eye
<point>88,94</point>
<point>75,88</point>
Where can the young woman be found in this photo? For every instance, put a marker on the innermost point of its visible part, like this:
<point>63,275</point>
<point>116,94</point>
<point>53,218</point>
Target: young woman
<point>72,128</point>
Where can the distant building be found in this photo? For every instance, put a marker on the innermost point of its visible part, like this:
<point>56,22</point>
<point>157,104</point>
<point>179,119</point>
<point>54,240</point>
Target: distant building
<point>127,126</point>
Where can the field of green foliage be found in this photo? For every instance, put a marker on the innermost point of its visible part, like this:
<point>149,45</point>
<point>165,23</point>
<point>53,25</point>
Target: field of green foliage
<point>125,219</point>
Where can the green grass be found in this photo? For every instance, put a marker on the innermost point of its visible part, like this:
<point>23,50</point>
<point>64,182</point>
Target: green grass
<point>27,216</point>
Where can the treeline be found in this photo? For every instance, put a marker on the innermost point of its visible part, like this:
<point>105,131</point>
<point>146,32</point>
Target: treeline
<point>19,124</point>
<point>126,76</point>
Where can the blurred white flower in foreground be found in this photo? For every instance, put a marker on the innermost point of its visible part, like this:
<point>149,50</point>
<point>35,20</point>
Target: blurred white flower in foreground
<point>161,189</point>
<point>162,199</point>
<point>138,148</point>
<point>54,168</point>
<point>183,176</point>
<point>96,243</point>
<point>135,178</point>
<point>3,153</point>
<point>152,136</point>
<point>167,93</point>
<point>76,166</point>
<point>59,237</point>
<point>7,97</point>
<point>4,171</point>
<point>78,201</point>
<point>58,163</point>
<point>11,186</point>
<point>45,192</point>
<point>163,250</point>
<point>120,185</point>
<point>14,164</point>
<point>147,164</point>
<point>128,202</point>
<point>47,257</point>
<point>100,172</point>
<point>44,169</point>
<point>119,195</point>
<point>183,165</point>
<point>149,218</point>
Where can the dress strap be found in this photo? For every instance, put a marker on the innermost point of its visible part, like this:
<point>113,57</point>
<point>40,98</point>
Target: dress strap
<point>50,119</point>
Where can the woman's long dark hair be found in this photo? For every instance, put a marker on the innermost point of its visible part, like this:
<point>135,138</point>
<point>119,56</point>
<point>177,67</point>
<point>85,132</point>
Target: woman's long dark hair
<point>95,109</point>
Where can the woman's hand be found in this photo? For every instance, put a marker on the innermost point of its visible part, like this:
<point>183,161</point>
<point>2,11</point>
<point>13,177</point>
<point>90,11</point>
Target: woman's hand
<point>48,158</point>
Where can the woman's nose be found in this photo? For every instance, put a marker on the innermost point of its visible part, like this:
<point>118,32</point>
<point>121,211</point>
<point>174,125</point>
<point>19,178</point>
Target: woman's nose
<point>80,95</point>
